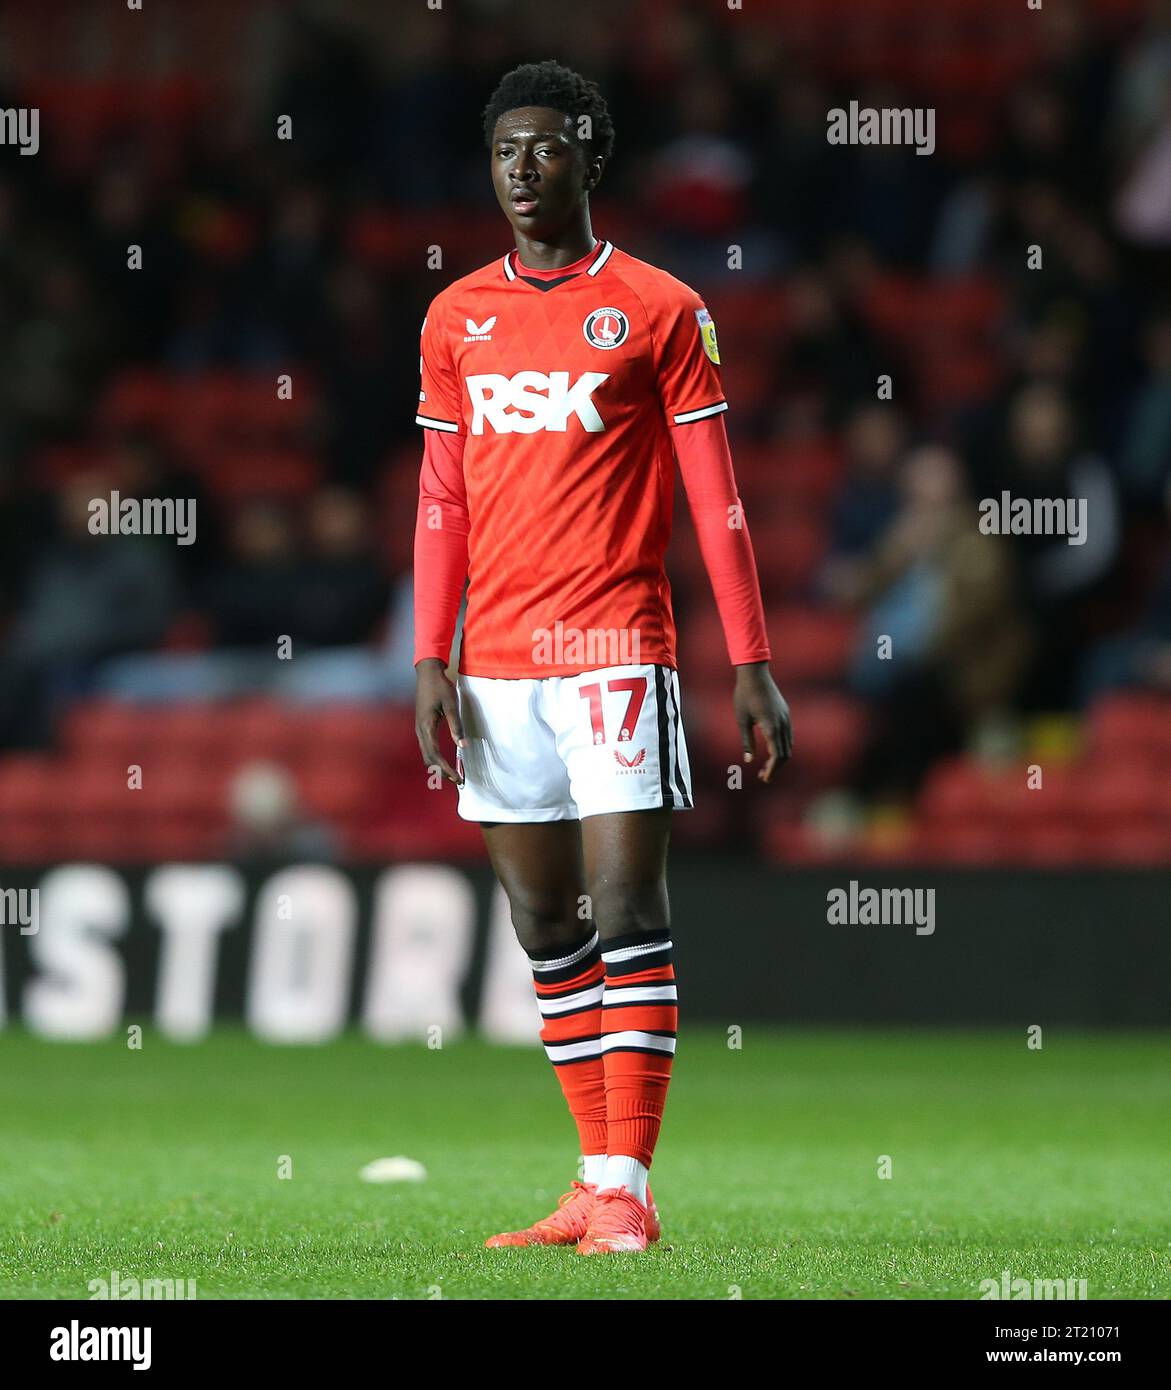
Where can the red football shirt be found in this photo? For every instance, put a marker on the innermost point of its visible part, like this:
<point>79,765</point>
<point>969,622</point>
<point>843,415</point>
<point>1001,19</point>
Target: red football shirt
<point>560,399</point>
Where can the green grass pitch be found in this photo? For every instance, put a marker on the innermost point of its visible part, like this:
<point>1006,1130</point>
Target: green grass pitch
<point>163,1163</point>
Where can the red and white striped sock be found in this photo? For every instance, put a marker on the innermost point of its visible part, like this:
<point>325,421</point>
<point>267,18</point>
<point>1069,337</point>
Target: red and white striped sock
<point>569,995</point>
<point>639,1022</point>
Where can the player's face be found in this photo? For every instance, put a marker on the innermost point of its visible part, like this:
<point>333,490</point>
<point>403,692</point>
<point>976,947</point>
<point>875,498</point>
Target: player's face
<point>540,172</point>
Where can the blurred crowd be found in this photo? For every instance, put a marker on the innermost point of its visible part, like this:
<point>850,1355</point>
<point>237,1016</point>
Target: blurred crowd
<point>309,256</point>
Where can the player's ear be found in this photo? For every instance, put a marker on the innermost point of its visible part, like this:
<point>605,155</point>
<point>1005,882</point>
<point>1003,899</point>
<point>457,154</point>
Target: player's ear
<point>593,173</point>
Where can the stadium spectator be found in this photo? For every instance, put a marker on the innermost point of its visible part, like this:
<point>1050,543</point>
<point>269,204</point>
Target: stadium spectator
<point>267,820</point>
<point>874,436</point>
<point>1045,458</point>
<point>343,592</point>
<point>942,647</point>
<point>90,597</point>
<point>1144,460</point>
<point>829,351</point>
<point>1139,656</point>
<point>253,599</point>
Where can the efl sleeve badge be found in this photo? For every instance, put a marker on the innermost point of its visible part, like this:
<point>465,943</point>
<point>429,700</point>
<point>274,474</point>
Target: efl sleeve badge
<point>707,335</point>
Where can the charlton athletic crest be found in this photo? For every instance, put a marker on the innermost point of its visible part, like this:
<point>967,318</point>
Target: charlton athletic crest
<point>606,328</point>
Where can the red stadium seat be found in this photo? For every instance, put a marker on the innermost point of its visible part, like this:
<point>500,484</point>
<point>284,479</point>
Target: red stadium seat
<point>789,549</point>
<point>975,843</point>
<point>337,788</point>
<point>263,730</point>
<point>205,414</point>
<point>179,840</point>
<point>1050,844</point>
<point>793,844</point>
<point>810,644</point>
<point>28,841</point>
<point>1135,843</point>
<point>131,732</point>
<point>1131,724</point>
<point>30,786</point>
<point>357,732</point>
<point>962,789</point>
<point>780,479</point>
<point>102,840</point>
<point>108,728</point>
<point>138,399</point>
<point>184,785</point>
<point>828,732</point>
<point>1123,790</point>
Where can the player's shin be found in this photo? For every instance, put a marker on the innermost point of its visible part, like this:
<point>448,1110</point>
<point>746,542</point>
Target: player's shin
<point>639,1021</point>
<point>569,995</point>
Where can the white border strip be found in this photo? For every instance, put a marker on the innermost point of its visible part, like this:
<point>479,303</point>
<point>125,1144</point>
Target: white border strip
<point>566,1003</point>
<point>639,994</point>
<point>633,1038</point>
<point>689,415</point>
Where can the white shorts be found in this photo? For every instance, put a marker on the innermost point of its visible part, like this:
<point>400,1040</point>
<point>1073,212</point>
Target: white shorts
<point>565,747</point>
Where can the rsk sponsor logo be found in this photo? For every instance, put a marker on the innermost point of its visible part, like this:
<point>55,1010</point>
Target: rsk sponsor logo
<point>533,401</point>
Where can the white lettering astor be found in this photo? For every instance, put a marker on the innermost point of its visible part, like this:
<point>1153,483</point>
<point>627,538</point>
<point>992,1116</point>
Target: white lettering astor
<point>533,401</point>
<point>303,935</point>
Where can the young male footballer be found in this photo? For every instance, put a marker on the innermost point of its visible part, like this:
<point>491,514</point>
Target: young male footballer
<point>560,386</point>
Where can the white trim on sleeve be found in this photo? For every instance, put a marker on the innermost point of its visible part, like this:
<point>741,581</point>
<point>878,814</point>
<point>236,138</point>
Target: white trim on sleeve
<point>689,415</point>
<point>429,424</point>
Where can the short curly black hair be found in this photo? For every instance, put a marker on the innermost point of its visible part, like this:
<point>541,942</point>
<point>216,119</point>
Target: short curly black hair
<point>560,88</point>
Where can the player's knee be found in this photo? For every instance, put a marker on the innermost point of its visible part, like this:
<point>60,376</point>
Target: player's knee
<point>543,924</point>
<point>630,910</point>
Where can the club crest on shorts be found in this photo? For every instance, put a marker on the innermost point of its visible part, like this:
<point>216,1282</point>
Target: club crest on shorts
<point>606,328</point>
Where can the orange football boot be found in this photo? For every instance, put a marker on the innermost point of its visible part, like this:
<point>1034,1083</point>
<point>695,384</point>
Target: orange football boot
<point>618,1223</point>
<point>568,1223</point>
<point>565,1226</point>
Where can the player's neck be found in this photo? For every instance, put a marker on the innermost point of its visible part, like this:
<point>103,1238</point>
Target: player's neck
<point>564,249</point>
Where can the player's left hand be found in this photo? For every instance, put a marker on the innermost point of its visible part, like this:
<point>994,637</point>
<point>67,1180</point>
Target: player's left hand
<point>759,704</point>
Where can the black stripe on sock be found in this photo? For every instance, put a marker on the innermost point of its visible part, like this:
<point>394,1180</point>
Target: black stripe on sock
<point>653,960</point>
<point>566,973</point>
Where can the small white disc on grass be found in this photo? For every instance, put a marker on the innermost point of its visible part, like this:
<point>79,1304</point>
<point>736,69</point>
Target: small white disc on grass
<point>397,1169</point>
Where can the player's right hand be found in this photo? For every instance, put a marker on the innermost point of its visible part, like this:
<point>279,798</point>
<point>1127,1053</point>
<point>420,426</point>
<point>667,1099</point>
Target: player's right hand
<point>436,699</point>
